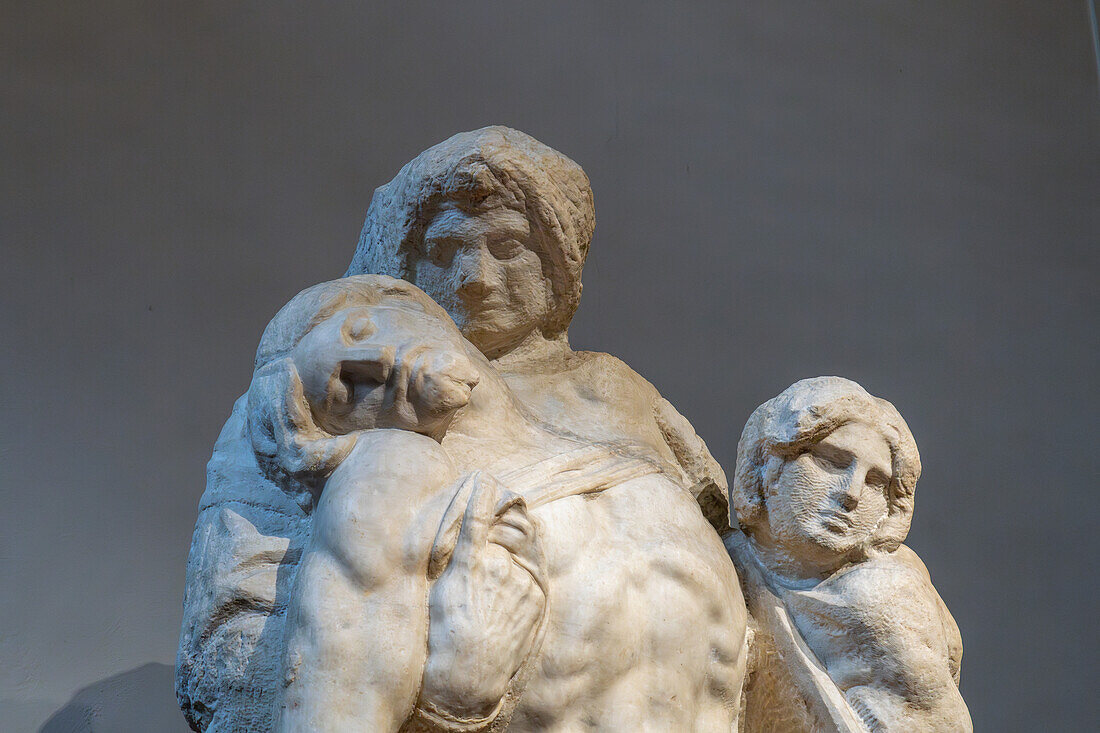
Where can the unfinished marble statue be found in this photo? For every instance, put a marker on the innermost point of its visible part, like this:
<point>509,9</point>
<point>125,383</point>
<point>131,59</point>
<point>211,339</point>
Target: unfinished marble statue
<point>495,227</point>
<point>428,513</point>
<point>361,381</point>
<point>849,633</point>
<point>434,494</point>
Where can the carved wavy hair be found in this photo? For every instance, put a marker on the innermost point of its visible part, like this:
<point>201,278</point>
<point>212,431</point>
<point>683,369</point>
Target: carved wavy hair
<point>491,166</point>
<point>291,449</point>
<point>801,416</point>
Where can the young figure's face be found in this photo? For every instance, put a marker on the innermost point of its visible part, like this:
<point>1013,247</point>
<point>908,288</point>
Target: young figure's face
<point>484,269</point>
<point>828,501</point>
<point>384,367</point>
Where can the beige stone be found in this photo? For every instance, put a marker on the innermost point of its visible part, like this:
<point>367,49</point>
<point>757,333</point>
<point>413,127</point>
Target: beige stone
<point>848,632</point>
<point>495,227</point>
<point>435,495</point>
<point>428,513</point>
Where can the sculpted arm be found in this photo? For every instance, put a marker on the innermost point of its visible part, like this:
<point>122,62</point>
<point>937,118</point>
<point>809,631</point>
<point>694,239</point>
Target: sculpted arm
<point>954,642</point>
<point>356,629</point>
<point>367,644</point>
<point>709,480</point>
<point>952,637</point>
<point>905,625</point>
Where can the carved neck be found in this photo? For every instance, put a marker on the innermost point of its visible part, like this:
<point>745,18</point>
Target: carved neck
<point>792,570</point>
<point>534,352</point>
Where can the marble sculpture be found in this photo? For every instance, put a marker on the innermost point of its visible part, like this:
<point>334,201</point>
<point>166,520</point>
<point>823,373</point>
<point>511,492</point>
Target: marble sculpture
<point>428,513</point>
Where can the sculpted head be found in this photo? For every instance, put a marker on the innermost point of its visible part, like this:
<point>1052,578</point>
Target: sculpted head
<point>826,473</point>
<point>494,226</point>
<point>354,354</point>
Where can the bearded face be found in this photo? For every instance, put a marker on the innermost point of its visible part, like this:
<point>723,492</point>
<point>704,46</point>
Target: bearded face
<point>485,270</point>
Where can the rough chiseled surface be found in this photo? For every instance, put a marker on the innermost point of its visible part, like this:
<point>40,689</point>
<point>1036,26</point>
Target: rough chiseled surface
<point>849,632</point>
<point>237,579</point>
<point>428,513</point>
<point>435,508</point>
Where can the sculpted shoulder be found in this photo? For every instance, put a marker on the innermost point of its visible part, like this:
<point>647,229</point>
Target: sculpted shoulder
<point>606,370</point>
<point>593,375</point>
<point>891,585</point>
<point>395,456</point>
<point>385,481</point>
<point>890,611</point>
<point>594,397</point>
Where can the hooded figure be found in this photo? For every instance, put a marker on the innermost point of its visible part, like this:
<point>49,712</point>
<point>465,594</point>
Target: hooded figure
<point>479,170</point>
<point>495,226</point>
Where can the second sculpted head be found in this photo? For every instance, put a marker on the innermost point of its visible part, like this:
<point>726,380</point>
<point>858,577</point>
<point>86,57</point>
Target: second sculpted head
<point>825,476</point>
<point>350,355</point>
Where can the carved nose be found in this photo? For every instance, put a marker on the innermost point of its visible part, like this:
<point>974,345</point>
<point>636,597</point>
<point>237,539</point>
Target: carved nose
<point>462,371</point>
<point>448,378</point>
<point>474,282</point>
<point>473,288</point>
<point>850,499</point>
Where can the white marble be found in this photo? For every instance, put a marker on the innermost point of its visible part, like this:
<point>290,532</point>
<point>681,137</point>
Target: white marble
<point>429,513</point>
<point>849,633</point>
<point>434,494</point>
<point>495,227</point>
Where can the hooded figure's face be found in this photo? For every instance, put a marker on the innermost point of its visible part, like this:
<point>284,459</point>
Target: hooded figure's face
<point>484,269</point>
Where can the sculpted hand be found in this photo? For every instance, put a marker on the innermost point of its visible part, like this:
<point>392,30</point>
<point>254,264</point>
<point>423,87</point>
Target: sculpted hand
<point>486,607</point>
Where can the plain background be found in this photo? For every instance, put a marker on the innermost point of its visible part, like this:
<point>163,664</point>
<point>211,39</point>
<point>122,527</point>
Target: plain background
<point>904,193</point>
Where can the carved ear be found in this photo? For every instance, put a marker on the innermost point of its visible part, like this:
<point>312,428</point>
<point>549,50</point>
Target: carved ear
<point>899,515</point>
<point>894,529</point>
<point>290,448</point>
<point>907,469</point>
<point>746,492</point>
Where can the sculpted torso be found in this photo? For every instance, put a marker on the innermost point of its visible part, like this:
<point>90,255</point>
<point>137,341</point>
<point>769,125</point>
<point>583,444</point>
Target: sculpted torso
<point>643,626</point>
<point>646,627</point>
<point>430,514</point>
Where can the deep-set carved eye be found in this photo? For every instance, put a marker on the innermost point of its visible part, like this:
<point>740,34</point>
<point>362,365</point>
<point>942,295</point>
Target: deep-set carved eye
<point>829,461</point>
<point>357,376</point>
<point>506,249</point>
<point>877,481</point>
<point>441,250</point>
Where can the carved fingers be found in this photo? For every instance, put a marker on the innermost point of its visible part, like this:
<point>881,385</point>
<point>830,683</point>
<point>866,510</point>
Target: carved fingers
<point>514,530</point>
<point>486,607</point>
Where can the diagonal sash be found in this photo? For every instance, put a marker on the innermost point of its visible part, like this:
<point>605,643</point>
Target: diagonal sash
<point>587,470</point>
<point>823,697</point>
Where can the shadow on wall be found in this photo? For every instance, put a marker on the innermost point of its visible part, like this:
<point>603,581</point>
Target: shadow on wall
<point>142,699</point>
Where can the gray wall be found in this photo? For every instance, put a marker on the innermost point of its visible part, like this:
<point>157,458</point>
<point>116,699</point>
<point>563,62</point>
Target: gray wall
<point>904,193</point>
